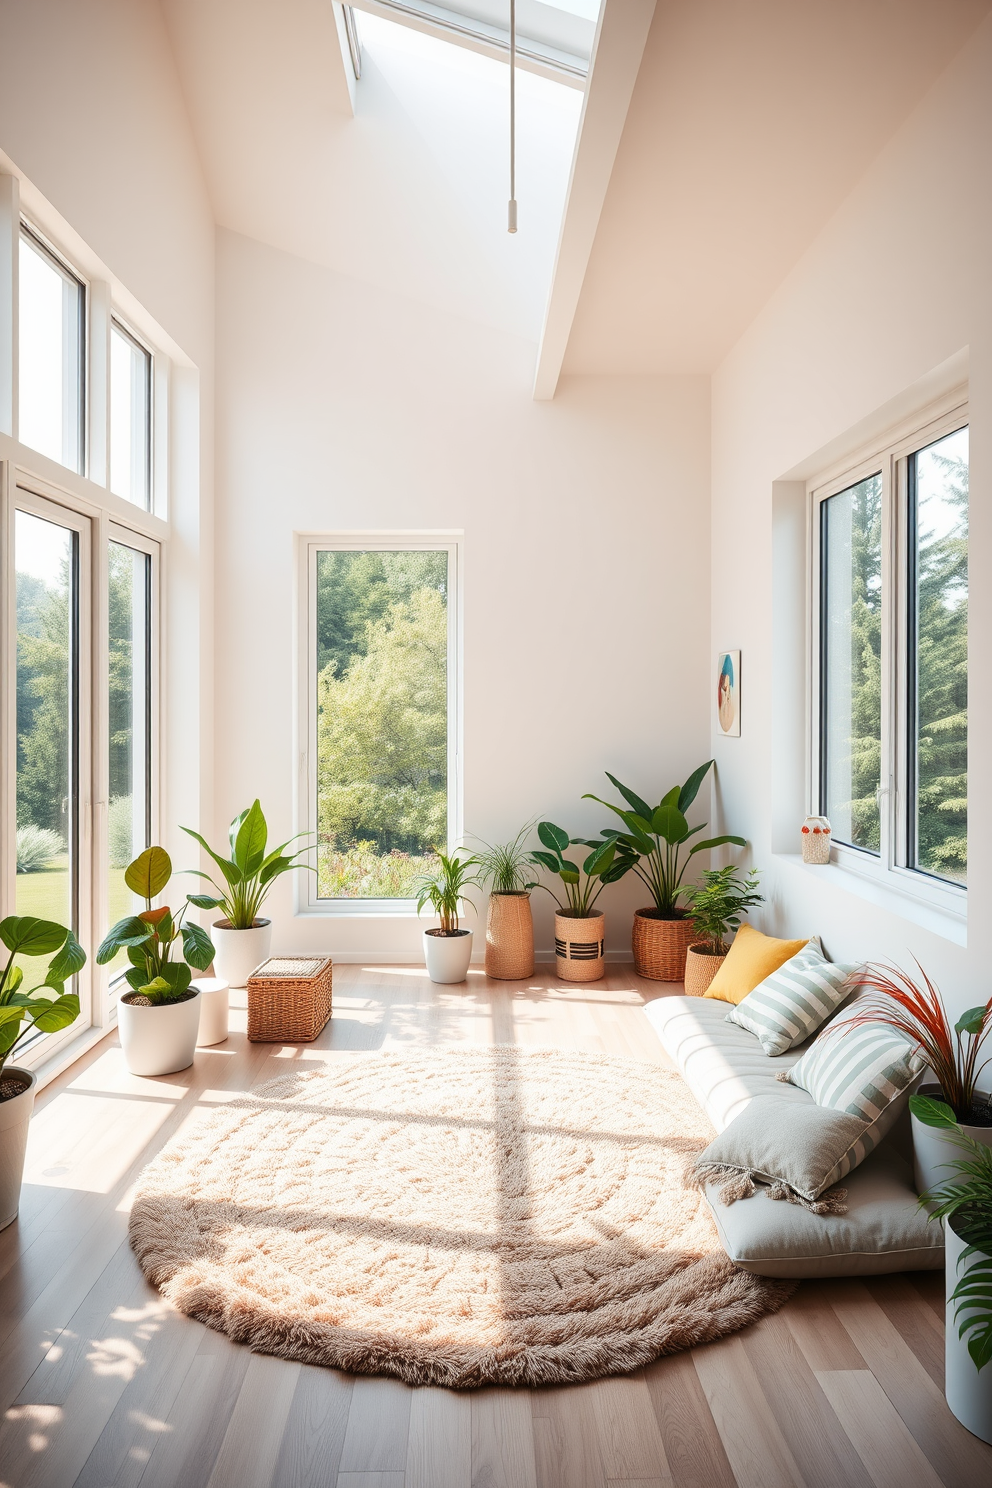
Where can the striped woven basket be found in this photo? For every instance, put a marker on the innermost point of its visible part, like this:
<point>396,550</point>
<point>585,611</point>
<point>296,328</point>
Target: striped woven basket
<point>660,946</point>
<point>289,999</point>
<point>509,937</point>
<point>580,947</point>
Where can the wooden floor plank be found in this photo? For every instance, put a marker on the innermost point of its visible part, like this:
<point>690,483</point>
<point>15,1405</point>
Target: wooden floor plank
<point>629,1440</point>
<point>197,1422</point>
<point>877,1431</point>
<point>378,1427</point>
<point>313,1439</point>
<point>566,1438</point>
<point>915,1321</point>
<point>693,1449</point>
<point>439,1443</point>
<point>502,1440</point>
<point>250,1450</point>
<point>756,1449</point>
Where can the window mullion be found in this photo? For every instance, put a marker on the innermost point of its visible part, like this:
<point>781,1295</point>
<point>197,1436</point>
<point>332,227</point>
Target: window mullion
<point>889,672</point>
<point>99,383</point>
<point>10,244</point>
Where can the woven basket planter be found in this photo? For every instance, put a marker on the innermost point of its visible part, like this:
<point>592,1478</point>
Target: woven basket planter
<point>509,937</point>
<point>700,969</point>
<point>660,946</point>
<point>289,999</point>
<point>580,946</point>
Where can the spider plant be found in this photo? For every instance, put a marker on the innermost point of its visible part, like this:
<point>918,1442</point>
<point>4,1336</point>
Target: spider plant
<point>917,1010</point>
<point>966,1203</point>
<point>655,837</point>
<point>717,904</point>
<point>23,935</point>
<point>505,866</point>
<point>607,862</point>
<point>249,872</point>
<point>445,889</point>
<point>150,937</point>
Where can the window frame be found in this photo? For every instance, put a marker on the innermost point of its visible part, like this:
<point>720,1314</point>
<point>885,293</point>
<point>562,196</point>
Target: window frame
<point>306,806</point>
<point>889,457</point>
<point>120,324</point>
<point>46,249</point>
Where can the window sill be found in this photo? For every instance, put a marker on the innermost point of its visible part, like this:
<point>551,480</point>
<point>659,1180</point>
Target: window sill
<point>948,923</point>
<point>336,909</point>
<point>49,1069</point>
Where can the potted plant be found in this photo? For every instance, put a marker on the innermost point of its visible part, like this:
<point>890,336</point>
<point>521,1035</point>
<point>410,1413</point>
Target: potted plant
<point>951,1050</point>
<point>963,1200</point>
<point>656,839</point>
<point>447,948</point>
<point>504,866</point>
<point>580,929</point>
<point>22,935</point>
<point>716,905</point>
<point>241,938</point>
<point>158,1019</point>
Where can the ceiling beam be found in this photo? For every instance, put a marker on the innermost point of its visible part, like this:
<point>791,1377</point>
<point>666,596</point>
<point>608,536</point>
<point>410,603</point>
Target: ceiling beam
<point>621,36</point>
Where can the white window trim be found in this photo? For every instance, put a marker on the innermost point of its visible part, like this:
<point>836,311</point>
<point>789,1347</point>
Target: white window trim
<point>884,879</point>
<point>117,321</point>
<point>309,544</point>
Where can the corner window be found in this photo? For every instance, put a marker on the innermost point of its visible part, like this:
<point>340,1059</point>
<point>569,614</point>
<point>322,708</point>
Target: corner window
<point>890,724</point>
<point>51,384</point>
<point>380,686</point>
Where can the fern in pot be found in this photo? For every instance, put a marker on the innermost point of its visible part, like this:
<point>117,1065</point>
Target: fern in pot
<point>717,905</point>
<point>158,1018</point>
<point>656,837</point>
<point>242,937</point>
<point>505,868</point>
<point>448,946</point>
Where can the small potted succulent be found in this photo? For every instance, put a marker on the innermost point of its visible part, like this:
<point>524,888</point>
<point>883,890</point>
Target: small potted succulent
<point>963,1200</point>
<point>580,928</point>
<point>46,1008</point>
<point>447,947</point>
<point>716,906</point>
<point>656,837</point>
<point>505,867</point>
<point>158,1018</point>
<point>242,939</point>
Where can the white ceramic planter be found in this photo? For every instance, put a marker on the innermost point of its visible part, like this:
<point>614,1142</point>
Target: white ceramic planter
<point>968,1389</point>
<point>933,1149</point>
<point>159,1040</point>
<point>448,956</point>
<point>238,952</point>
<point>215,1010</point>
<point>15,1118</point>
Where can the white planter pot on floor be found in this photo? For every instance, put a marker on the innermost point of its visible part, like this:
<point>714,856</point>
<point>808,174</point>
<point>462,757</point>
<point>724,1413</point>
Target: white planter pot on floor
<point>15,1118</point>
<point>215,1010</point>
<point>968,1389</point>
<point>448,956</point>
<point>238,952</point>
<point>934,1149</point>
<point>160,1039</point>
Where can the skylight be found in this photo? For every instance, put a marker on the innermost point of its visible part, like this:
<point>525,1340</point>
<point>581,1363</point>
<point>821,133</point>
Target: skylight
<point>554,37</point>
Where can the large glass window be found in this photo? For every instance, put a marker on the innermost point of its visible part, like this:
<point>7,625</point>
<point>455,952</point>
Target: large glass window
<point>130,417</point>
<point>381,717</point>
<point>51,310</point>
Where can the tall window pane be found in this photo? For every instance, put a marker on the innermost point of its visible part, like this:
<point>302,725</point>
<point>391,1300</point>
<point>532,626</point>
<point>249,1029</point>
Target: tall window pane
<point>129,818</point>
<point>938,625</point>
<point>50,356</point>
<point>47,589</point>
<point>850,662</point>
<point>382,728</point>
<point>130,417</point>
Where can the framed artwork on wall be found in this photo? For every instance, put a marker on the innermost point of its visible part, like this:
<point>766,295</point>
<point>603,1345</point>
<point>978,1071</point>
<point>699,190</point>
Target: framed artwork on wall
<point>728,693</point>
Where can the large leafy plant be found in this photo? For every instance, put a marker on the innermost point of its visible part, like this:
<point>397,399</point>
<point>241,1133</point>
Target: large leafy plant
<point>655,838</point>
<point>152,936</point>
<point>23,935</point>
<point>718,903</point>
<point>965,1201</point>
<point>444,890</point>
<point>582,885</point>
<point>249,872</point>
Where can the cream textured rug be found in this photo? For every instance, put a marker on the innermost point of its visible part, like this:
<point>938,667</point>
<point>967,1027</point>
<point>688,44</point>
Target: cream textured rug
<point>453,1218</point>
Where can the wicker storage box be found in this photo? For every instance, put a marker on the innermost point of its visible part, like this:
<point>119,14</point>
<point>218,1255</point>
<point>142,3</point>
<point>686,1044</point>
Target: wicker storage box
<point>289,999</point>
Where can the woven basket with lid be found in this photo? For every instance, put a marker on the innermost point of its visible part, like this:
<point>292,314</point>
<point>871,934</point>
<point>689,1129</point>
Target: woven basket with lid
<point>289,999</point>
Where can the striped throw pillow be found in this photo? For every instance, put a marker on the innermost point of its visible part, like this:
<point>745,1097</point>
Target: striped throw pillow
<point>861,1069</point>
<point>789,1005</point>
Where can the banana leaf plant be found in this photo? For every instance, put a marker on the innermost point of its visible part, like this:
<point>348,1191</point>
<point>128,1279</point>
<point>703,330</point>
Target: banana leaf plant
<point>655,837</point>
<point>607,862</point>
<point>965,1201</point>
<point>249,872</point>
<point>151,936</point>
<point>23,935</point>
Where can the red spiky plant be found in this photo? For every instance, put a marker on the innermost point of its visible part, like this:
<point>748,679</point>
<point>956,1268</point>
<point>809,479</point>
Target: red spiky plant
<point>918,1011</point>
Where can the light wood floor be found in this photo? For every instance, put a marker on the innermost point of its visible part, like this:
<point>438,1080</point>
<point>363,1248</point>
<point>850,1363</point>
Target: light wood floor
<point>103,1384</point>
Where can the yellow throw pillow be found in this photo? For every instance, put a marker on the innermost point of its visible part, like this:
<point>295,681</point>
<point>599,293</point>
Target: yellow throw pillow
<point>751,958</point>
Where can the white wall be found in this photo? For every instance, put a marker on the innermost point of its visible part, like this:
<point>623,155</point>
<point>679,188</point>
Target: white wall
<point>586,527</point>
<point>92,113</point>
<point>898,283</point>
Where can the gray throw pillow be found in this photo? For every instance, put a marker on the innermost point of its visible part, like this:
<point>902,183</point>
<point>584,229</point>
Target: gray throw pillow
<point>797,1150</point>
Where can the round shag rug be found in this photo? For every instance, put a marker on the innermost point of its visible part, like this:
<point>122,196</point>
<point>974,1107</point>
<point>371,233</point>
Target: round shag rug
<point>500,1216</point>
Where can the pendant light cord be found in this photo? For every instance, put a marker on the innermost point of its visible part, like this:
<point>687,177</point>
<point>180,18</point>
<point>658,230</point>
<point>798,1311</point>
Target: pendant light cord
<point>511,219</point>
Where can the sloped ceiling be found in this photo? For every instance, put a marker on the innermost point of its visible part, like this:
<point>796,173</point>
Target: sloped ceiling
<point>750,122</point>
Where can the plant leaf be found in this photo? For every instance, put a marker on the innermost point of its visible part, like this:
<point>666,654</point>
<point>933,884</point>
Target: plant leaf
<point>149,873</point>
<point>669,823</point>
<point>600,859</point>
<point>203,901</point>
<point>70,959</point>
<point>249,846</point>
<point>231,871</point>
<point>31,937</point>
<point>197,947</point>
<point>717,842</point>
<point>568,873</point>
<point>58,1014</point>
<point>547,860</point>
<point>932,1112</point>
<point>973,1020</point>
<point>689,791</point>
<point>128,932</point>
<point>553,836</point>
<point>631,797</point>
